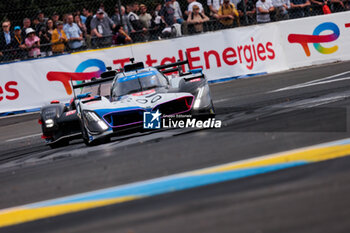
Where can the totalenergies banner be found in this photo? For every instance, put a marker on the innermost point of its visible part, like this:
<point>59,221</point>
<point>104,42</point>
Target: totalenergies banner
<point>229,53</point>
<point>315,40</point>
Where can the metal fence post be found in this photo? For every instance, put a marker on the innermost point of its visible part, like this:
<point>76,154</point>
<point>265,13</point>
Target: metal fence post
<point>120,12</point>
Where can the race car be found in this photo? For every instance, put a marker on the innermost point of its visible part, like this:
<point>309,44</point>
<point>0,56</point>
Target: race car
<point>137,90</point>
<point>60,123</point>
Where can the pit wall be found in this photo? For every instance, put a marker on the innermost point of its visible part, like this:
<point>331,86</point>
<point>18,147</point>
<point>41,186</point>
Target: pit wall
<point>223,55</point>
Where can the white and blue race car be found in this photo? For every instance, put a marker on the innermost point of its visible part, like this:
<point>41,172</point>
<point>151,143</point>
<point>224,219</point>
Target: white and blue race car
<point>136,90</point>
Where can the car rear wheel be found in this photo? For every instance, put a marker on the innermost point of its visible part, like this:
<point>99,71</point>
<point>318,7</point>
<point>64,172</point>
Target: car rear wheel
<point>85,136</point>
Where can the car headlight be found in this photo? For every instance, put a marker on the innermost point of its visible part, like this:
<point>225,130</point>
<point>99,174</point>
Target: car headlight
<point>91,116</point>
<point>49,123</point>
<point>94,122</point>
<point>202,98</point>
<point>102,125</point>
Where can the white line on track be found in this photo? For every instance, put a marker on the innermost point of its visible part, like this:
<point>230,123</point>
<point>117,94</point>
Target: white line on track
<point>314,102</point>
<point>24,137</point>
<point>329,79</point>
<point>221,100</point>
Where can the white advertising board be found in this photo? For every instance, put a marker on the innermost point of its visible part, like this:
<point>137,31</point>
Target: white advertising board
<point>223,54</point>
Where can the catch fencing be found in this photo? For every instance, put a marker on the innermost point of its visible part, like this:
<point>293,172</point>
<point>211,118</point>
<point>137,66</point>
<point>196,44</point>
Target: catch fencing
<point>42,16</point>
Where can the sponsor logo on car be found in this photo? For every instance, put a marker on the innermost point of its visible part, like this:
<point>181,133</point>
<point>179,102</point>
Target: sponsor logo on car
<point>144,92</point>
<point>70,112</point>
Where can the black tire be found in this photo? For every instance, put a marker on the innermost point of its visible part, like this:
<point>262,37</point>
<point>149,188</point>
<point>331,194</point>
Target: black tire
<point>84,133</point>
<point>205,114</point>
<point>212,109</point>
<point>85,136</point>
<point>94,142</point>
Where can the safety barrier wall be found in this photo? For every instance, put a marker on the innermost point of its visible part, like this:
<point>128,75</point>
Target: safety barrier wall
<point>222,55</point>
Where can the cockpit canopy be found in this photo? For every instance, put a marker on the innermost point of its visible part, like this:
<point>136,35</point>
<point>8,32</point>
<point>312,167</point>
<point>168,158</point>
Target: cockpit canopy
<point>137,82</point>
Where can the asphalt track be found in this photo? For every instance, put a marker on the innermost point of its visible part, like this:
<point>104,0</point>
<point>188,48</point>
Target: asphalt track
<point>258,120</point>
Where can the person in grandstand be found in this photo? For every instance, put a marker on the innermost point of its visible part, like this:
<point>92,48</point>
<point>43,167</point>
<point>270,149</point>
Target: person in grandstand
<point>263,10</point>
<point>41,17</point>
<point>192,3</point>
<point>250,11</point>
<point>102,7</point>
<point>8,22</point>
<point>50,26</point>
<point>19,44</point>
<point>45,40</point>
<point>81,17</point>
<point>157,9</point>
<point>101,29</point>
<point>167,14</point>
<point>141,31</point>
<point>214,6</point>
<point>157,24</point>
<point>64,19</point>
<point>195,20</point>
<point>299,8</point>
<point>73,33</point>
<point>58,39</point>
<point>120,36</point>
<point>6,41</point>
<point>81,25</point>
<point>145,17</point>
<point>316,6</point>
<point>281,9</point>
<point>134,18</point>
<point>228,15</point>
<point>178,13</point>
<point>339,5</point>
<point>136,7</point>
<point>126,23</point>
<point>172,29</point>
<point>26,24</point>
<point>88,14</point>
<point>36,25</point>
<point>40,23</point>
<point>33,43</point>
<point>55,18</point>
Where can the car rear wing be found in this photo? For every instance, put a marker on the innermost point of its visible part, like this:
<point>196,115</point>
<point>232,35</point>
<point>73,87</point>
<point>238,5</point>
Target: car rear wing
<point>174,67</point>
<point>105,77</point>
<point>93,82</point>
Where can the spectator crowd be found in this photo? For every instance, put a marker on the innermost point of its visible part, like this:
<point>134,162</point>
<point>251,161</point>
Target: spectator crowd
<point>135,22</point>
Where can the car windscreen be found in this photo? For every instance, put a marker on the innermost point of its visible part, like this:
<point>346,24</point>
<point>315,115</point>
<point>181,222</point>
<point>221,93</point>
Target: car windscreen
<point>138,82</point>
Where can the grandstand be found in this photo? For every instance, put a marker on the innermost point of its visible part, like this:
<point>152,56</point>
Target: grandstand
<point>143,20</point>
